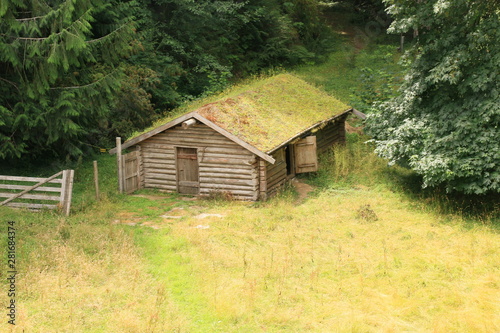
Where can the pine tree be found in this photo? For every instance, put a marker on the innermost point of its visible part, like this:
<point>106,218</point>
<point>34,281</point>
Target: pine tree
<point>59,66</point>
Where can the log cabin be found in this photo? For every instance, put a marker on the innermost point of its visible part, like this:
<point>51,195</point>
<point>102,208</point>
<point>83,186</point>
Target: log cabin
<point>247,143</point>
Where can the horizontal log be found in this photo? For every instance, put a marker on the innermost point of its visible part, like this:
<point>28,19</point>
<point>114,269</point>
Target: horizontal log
<point>276,187</point>
<point>158,151</point>
<point>239,169</point>
<point>188,123</point>
<point>149,145</point>
<point>224,187</point>
<point>23,187</point>
<point>29,179</point>
<point>31,205</point>
<point>158,160</point>
<point>272,170</point>
<point>247,157</point>
<point>276,178</point>
<point>233,161</point>
<point>197,131</point>
<point>156,182</point>
<point>234,192</point>
<point>228,181</point>
<point>194,142</point>
<point>166,171</point>
<point>32,196</point>
<point>238,197</point>
<point>157,165</point>
<point>162,176</point>
<point>167,181</point>
<point>250,175</point>
<point>148,155</point>
<point>226,150</point>
<point>196,128</point>
<point>161,186</point>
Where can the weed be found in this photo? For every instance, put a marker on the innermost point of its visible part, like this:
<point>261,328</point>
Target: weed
<point>365,212</point>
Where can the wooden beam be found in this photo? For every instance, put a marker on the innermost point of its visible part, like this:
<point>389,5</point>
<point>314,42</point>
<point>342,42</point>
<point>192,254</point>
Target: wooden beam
<point>68,191</point>
<point>30,205</point>
<point>30,179</point>
<point>119,163</point>
<point>96,180</point>
<point>188,123</point>
<point>30,188</point>
<point>153,132</point>
<point>32,196</point>
<point>23,187</point>
<point>359,114</point>
<point>262,180</point>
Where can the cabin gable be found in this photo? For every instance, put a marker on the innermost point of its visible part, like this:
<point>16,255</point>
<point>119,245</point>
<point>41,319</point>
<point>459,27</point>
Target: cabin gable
<point>220,165</point>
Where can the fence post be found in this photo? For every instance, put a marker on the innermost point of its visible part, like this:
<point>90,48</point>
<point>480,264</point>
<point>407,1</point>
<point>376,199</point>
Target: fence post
<point>68,175</point>
<point>96,181</point>
<point>119,162</point>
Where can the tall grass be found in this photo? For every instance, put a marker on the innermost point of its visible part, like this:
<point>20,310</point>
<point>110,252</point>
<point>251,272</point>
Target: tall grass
<point>350,164</point>
<point>320,267</point>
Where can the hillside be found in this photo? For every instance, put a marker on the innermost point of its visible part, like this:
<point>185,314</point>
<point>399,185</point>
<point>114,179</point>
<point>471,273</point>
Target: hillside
<point>367,250</point>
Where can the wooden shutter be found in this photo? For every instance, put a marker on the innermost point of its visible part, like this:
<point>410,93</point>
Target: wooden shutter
<point>306,158</point>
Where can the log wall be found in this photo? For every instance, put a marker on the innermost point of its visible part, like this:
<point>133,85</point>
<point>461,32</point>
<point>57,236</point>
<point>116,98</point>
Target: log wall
<point>276,173</point>
<point>223,165</point>
<point>330,134</point>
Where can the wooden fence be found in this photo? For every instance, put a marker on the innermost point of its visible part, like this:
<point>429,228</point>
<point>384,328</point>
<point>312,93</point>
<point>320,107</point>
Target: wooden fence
<point>58,187</point>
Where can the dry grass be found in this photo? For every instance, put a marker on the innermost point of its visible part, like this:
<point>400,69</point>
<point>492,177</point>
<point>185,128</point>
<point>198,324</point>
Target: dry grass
<point>319,267</point>
<point>357,255</point>
<point>85,277</point>
<point>266,112</point>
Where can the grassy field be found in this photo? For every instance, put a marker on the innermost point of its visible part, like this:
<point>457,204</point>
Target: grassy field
<point>360,254</point>
<point>366,251</point>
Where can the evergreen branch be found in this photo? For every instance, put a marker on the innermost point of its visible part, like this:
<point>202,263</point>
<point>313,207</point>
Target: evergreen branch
<point>77,21</point>
<point>30,18</point>
<point>10,82</point>
<point>108,35</point>
<point>85,85</point>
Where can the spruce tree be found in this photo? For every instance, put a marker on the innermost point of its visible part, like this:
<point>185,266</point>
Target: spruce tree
<point>59,66</point>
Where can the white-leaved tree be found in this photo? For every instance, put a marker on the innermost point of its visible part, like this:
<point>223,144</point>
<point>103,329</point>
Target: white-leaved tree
<point>445,122</point>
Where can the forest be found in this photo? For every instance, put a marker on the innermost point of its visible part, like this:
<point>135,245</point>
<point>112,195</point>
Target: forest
<point>76,74</point>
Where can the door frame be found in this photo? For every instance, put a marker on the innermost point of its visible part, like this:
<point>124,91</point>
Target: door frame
<point>177,168</point>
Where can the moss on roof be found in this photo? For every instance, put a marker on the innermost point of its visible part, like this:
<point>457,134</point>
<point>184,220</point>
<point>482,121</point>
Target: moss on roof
<point>268,112</point>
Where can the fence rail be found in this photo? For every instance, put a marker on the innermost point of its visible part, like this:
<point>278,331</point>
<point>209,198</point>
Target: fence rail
<point>58,188</point>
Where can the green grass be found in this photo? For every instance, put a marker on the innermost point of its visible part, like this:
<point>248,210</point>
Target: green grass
<point>355,77</point>
<point>257,113</point>
<point>366,251</point>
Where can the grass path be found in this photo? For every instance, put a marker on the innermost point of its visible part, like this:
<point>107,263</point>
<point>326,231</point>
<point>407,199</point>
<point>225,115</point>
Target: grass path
<point>324,266</point>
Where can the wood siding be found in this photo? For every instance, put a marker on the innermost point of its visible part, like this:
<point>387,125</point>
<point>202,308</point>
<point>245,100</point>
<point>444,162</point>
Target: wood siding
<point>330,134</point>
<point>223,165</point>
<point>276,173</point>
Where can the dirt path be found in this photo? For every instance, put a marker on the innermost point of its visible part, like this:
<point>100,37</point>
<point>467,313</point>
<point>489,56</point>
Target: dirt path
<point>340,23</point>
<point>302,189</point>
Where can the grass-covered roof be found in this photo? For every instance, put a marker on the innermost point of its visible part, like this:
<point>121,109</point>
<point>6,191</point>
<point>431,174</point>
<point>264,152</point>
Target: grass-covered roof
<point>268,112</point>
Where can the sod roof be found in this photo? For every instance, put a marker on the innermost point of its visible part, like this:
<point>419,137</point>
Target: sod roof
<point>268,112</point>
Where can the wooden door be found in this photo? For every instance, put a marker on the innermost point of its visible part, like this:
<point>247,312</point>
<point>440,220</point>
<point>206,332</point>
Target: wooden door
<point>187,171</point>
<point>131,172</point>
<point>306,157</point>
